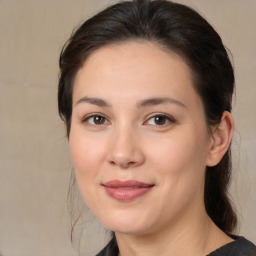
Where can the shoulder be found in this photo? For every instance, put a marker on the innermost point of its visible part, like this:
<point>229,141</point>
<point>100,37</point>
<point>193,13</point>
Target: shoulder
<point>239,247</point>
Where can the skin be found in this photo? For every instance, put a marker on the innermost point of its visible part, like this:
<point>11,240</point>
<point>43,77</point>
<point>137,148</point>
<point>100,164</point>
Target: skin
<point>127,142</point>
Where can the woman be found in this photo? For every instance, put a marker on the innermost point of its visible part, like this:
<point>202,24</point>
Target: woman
<point>145,91</point>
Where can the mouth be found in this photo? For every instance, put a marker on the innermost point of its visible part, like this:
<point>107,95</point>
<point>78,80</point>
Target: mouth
<point>126,190</point>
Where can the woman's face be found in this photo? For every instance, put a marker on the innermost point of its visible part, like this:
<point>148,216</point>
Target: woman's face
<point>139,140</point>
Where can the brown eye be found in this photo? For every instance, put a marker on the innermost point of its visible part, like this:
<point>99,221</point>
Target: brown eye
<point>95,120</point>
<point>98,120</point>
<point>160,120</point>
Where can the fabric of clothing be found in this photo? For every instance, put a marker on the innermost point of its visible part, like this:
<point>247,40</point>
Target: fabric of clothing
<point>239,247</point>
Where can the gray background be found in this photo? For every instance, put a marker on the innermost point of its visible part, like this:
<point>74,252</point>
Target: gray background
<point>35,163</point>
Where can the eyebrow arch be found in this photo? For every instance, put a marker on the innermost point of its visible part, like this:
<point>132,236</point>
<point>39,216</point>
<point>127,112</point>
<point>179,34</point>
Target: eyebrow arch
<point>158,101</point>
<point>94,101</point>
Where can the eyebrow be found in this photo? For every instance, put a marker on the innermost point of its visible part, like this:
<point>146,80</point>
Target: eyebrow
<point>144,103</point>
<point>94,101</point>
<point>158,101</point>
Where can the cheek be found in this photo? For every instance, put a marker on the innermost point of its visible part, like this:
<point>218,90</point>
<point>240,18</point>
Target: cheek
<point>180,163</point>
<point>86,153</point>
<point>176,152</point>
<point>180,169</point>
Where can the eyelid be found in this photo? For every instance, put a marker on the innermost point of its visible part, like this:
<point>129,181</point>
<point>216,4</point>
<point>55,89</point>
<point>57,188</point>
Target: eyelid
<point>170,118</point>
<point>85,118</point>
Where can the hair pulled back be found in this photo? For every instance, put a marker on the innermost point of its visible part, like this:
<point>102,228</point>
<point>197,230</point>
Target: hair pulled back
<point>178,29</point>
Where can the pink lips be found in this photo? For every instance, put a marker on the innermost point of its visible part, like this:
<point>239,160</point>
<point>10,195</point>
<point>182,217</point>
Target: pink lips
<point>126,190</point>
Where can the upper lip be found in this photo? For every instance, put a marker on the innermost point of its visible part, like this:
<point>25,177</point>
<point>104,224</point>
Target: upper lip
<point>126,183</point>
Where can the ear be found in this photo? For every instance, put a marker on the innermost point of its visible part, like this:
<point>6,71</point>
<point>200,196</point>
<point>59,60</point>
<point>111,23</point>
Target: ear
<point>220,139</point>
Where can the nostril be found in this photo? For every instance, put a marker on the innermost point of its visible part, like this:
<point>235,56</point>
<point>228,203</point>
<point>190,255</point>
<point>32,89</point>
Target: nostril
<point>131,163</point>
<point>112,163</point>
<point>123,165</point>
<point>128,164</point>
<point>126,156</point>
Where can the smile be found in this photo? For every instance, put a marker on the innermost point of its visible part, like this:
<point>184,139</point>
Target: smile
<point>126,190</point>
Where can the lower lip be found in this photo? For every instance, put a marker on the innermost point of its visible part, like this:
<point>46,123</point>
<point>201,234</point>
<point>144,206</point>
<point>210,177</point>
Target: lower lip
<point>127,194</point>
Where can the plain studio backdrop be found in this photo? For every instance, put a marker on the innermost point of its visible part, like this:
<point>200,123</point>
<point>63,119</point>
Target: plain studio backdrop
<point>34,156</point>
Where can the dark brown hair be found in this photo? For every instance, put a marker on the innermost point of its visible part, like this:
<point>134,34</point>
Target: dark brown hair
<point>179,29</point>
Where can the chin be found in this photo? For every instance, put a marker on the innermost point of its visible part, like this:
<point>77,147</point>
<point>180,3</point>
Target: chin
<point>129,230</point>
<point>127,225</point>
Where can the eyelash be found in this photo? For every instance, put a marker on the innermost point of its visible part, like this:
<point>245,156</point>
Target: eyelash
<point>166,118</point>
<point>93,116</point>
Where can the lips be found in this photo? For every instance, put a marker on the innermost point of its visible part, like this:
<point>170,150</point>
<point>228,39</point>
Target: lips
<point>126,190</point>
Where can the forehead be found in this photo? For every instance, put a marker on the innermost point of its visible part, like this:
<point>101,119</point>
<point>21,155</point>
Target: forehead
<point>132,54</point>
<point>133,68</point>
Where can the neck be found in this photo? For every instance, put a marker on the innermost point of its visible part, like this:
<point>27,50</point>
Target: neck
<point>198,236</point>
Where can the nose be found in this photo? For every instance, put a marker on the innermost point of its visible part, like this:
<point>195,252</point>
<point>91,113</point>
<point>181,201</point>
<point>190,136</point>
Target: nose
<point>125,150</point>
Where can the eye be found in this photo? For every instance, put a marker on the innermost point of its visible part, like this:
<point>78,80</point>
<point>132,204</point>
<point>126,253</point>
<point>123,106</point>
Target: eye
<point>160,120</point>
<point>95,119</point>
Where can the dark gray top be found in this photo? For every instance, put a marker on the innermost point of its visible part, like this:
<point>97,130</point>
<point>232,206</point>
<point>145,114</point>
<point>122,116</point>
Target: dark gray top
<point>239,247</point>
